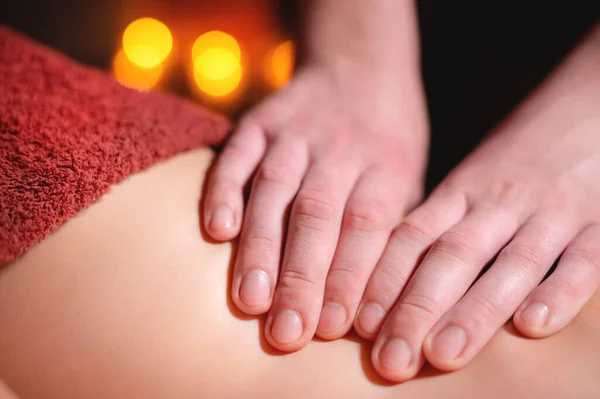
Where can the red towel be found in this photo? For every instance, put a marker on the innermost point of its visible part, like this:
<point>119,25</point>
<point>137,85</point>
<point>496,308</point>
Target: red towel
<point>69,132</point>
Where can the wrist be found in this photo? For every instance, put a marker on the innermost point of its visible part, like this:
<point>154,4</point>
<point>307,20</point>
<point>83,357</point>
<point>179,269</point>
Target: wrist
<point>378,36</point>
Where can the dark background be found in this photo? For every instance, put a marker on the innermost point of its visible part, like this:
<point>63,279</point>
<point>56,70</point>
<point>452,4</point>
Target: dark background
<point>480,58</point>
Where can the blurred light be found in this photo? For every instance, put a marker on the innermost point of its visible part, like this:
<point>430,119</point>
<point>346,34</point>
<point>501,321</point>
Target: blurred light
<point>216,63</point>
<point>216,59</point>
<point>216,39</point>
<point>218,87</point>
<point>134,76</point>
<point>280,64</point>
<point>147,42</point>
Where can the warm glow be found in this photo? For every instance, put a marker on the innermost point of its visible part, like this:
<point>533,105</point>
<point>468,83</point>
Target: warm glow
<point>216,63</point>
<point>280,64</point>
<point>134,76</point>
<point>216,57</point>
<point>216,39</point>
<point>218,87</point>
<point>147,42</point>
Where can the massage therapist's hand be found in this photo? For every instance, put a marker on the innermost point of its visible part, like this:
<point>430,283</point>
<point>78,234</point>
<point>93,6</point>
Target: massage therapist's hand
<point>337,164</point>
<point>526,198</point>
<point>333,161</point>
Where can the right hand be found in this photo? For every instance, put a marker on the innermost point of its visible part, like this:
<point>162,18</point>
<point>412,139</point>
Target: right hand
<point>337,160</point>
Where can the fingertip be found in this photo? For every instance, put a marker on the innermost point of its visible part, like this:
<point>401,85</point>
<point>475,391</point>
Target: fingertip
<point>440,362</point>
<point>369,320</point>
<point>392,359</point>
<point>333,322</point>
<point>533,321</point>
<point>285,330</point>
<point>221,223</point>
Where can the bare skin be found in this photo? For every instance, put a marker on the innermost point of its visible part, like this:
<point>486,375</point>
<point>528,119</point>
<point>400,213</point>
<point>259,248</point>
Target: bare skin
<point>531,194</point>
<point>5,393</point>
<point>129,300</point>
<point>343,148</point>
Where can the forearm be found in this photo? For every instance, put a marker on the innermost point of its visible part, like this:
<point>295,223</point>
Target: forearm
<point>571,91</point>
<point>369,36</point>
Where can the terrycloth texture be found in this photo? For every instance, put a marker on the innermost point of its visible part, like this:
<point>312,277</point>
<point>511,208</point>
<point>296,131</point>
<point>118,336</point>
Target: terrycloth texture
<point>68,132</point>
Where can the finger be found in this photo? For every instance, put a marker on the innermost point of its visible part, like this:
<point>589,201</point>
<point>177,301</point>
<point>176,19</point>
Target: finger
<point>450,267</point>
<point>402,254</point>
<point>224,199</point>
<point>373,209</point>
<point>556,302</point>
<point>312,237</point>
<point>461,333</point>
<point>257,263</point>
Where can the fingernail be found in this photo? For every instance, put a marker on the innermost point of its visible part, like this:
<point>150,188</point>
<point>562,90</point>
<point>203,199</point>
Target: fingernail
<point>395,354</point>
<point>287,326</point>
<point>255,289</point>
<point>535,315</point>
<point>222,218</point>
<point>449,343</point>
<point>370,318</point>
<point>333,316</point>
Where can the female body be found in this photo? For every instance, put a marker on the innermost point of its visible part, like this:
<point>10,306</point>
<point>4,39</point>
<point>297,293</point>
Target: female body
<point>129,299</point>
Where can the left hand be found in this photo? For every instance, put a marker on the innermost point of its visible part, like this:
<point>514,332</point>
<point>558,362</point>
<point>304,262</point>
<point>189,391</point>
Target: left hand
<point>530,195</point>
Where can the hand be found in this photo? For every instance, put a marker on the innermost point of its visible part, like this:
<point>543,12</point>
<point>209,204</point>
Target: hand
<point>524,199</point>
<point>338,158</point>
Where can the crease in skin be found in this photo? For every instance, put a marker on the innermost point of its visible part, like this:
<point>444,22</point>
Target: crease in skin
<point>129,300</point>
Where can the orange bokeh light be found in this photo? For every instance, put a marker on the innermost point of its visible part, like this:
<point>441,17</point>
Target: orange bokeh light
<point>216,39</point>
<point>218,87</point>
<point>279,64</point>
<point>147,42</point>
<point>134,76</point>
<point>217,69</point>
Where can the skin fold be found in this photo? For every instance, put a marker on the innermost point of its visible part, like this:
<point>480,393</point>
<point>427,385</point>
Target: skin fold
<point>131,299</point>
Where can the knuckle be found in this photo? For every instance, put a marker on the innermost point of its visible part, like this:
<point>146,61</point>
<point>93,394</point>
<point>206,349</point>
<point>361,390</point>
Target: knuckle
<point>392,275</point>
<point>343,282</point>
<point>296,280</point>
<point>589,257</point>
<point>529,257</point>
<point>261,244</point>
<point>312,211</point>
<point>412,230</point>
<point>458,245</point>
<point>481,308</point>
<point>370,216</point>
<point>344,273</point>
<point>422,305</point>
<point>273,173</point>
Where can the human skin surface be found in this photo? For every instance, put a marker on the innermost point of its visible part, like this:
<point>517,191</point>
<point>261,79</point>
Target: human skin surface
<point>328,240</point>
<point>130,299</point>
<point>525,198</point>
<point>5,393</point>
<point>342,151</point>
